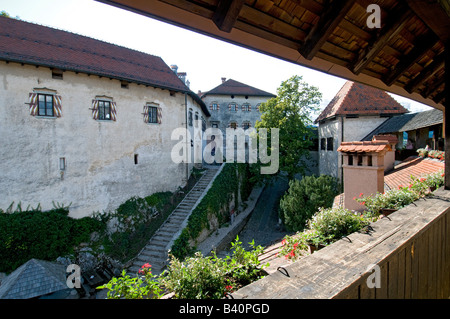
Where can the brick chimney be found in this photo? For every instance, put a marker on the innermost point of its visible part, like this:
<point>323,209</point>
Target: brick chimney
<point>363,164</point>
<point>389,159</point>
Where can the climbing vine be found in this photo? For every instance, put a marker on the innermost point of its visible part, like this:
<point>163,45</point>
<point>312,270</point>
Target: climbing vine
<point>230,186</point>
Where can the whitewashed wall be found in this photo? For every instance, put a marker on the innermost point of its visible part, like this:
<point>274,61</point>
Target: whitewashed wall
<point>100,168</point>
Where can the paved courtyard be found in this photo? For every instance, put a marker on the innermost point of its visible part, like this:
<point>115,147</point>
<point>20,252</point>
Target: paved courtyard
<point>263,224</point>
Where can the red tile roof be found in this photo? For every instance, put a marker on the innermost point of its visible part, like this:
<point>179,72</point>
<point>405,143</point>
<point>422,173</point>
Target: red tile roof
<point>35,44</point>
<point>232,87</point>
<point>415,166</point>
<point>401,174</point>
<point>358,99</point>
<point>364,147</point>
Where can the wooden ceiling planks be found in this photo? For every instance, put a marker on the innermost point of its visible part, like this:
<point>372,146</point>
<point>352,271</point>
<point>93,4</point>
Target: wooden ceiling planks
<point>407,51</point>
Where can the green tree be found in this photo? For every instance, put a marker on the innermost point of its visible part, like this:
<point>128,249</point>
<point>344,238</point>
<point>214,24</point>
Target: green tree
<point>291,112</point>
<point>304,198</point>
<point>3,13</point>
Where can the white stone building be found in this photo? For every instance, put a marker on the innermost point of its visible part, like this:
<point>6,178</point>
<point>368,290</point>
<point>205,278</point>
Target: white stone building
<point>354,112</point>
<point>233,104</point>
<point>86,122</point>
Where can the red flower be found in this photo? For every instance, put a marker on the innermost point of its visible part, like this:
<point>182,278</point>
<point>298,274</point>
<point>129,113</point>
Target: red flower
<point>363,203</point>
<point>283,242</point>
<point>360,194</point>
<point>410,186</point>
<point>354,198</point>
<point>295,245</point>
<point>145,268</point>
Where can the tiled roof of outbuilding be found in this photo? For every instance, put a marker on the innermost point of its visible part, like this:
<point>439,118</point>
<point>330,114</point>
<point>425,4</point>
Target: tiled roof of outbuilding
<point>232,87</point>
<point>33,279</point>
<point>407,122</point>
<point>358,99</point>
<point>30,43</point>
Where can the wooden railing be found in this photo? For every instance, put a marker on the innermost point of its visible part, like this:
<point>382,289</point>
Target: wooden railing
<point>405,255</point>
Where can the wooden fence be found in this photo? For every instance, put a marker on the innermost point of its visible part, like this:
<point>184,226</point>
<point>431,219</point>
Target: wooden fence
<point>405,255</point>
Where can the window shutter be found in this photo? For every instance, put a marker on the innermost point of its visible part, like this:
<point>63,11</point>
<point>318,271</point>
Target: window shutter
<point>211,107</point>
<point>57,108</point>
<point>229,107</point>
<point>159,115</point>
<point>113,111</point>
<point>94,109</point>
<point>145,113</point>
<point>218,106</point>
<point>33,104</point>
<point>249,108</point>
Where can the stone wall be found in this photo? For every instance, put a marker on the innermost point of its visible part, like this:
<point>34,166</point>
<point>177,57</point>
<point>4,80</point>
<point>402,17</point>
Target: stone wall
<point>106,162</point>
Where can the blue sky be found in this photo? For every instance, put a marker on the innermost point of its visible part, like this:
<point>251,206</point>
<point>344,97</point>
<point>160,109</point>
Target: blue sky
<point>204,59</point>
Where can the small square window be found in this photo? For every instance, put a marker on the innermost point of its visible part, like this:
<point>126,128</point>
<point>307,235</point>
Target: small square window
<point>152,114</point>
<point>323,144</point>
<point>329,144</point>
<point>45,105</point>
<point>57,74</point>
<point>190,119</point>
<point>104,110</point>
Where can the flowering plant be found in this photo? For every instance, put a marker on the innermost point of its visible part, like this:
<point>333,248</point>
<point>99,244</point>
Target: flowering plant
<point>140,287</point>
<point>404,195</point>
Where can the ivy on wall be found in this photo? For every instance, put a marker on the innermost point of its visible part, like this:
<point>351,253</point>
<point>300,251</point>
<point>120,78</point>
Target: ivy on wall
<point>231,186</point>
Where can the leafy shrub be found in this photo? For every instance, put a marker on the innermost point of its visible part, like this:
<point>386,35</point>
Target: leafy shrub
<point>304,198</point>
<point>44,235</point>
<point>144,286</point>
<point>325,227</point>
<point>335,223</point>
<point>134,222</point>
<point>201,277</point>
<point>403,196</point>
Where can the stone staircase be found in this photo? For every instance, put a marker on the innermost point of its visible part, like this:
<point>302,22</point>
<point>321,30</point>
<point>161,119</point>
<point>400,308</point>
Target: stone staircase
<point>156,251</point>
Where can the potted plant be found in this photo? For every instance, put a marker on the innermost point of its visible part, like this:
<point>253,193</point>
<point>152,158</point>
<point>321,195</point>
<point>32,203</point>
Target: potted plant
<point>422,152</point>
<point>315,241</point>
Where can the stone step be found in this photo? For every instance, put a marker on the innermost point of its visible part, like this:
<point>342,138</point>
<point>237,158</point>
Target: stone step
<point>155,252</point>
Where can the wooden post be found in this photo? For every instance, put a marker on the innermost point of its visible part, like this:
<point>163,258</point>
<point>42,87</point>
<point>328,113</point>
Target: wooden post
<point>446,123</point>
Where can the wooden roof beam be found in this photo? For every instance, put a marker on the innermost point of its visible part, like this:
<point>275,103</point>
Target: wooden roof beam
<point>227,13</point>
<point>421,47</point>
<point>331,16</point>
<point>426,73</point>
<point>393,26</point>
<point>433,87</point>
<point>439,98</point>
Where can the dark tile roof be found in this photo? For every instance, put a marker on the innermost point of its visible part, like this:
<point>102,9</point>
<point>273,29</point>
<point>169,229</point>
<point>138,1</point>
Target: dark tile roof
<point>35,44</point>
<point>407,122</point>
<point>33,279</point>
<point>232,87</point>
<point>358,99</point>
